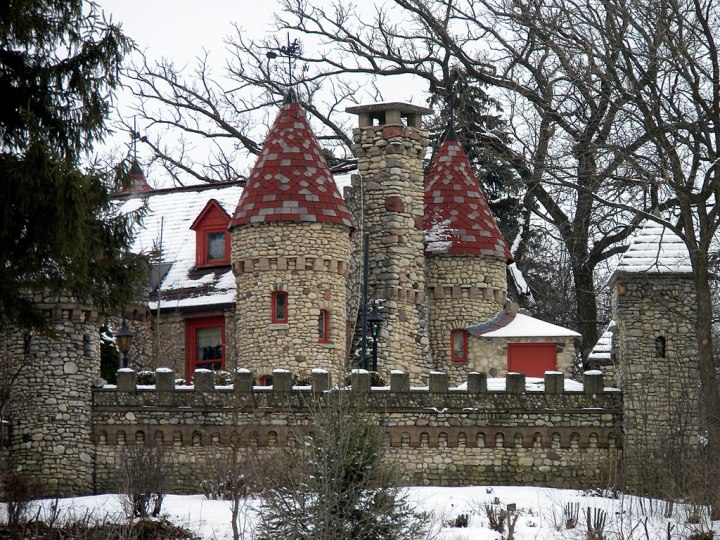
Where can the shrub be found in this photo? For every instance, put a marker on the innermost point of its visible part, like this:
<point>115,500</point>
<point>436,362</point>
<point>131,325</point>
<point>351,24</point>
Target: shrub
<point>146,377</point>
<point>143,477</point>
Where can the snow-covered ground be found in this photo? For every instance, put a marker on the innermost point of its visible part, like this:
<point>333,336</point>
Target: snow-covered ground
<point>540,513</point>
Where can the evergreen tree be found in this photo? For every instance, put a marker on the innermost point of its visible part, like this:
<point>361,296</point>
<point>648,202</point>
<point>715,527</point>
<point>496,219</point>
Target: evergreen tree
<point>59,63</point>
<point>475,116</point>
<point>337,485</point>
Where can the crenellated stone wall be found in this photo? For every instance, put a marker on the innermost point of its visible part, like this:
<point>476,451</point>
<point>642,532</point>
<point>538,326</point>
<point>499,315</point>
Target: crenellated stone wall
<point>50,404</point>
<point>436,435</point>
<point>660,387</point>
<point>463,290</point>
<point>310,262</point>
<point>390,185</point>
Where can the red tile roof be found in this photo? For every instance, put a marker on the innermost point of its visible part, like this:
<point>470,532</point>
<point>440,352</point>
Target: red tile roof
<point>291,180</point>
<point>457,217</point>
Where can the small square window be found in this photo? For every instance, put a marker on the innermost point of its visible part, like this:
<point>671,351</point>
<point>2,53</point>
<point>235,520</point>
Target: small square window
<point>215,246</point>
<point>279,307</point>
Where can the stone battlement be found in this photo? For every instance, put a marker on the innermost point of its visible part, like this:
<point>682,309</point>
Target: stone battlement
<point>477,384</point>
<point>552,431</point>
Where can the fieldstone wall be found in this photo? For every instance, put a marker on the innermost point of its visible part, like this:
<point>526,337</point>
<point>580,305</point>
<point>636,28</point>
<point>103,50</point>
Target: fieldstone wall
<point>390,185</point>
<point>490,354</point>
<point>463,290</point>
<point>50,404</point>
<point>660,387</point>
<point>439,436</point>
<point>310,262</point>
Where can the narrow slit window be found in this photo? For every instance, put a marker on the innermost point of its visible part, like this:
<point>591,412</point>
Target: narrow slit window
<point>660,347</point>
<point>324,326</point>
<point>280,307</point>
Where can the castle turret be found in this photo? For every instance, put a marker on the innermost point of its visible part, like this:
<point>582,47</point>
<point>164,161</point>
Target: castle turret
<point>388,193</point>
<point>50,379</point>
<point>655,308</point>
<point>466,257</point>
<point>290,252</point>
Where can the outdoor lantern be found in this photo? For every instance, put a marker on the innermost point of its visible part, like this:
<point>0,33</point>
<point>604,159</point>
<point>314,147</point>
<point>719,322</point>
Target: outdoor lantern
<point>124,338</point>
<point>374,321</point>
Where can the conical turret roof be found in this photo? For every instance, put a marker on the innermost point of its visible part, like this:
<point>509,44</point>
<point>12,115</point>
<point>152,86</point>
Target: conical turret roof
<point>291,180</point>
<point>457,217</point>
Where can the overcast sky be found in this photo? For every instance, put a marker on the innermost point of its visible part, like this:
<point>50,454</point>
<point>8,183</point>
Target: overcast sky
<point>181,30</point>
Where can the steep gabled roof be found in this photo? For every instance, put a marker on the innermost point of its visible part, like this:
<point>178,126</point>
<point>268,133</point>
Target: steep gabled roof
<point>211,206</point>
<point>457,217</point>
<point>655,250</point>
<point>291,180</point>
<point>168,219</point>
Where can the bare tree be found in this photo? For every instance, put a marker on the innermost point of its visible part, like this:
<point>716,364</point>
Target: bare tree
<point>670,75</point>
<point>571,137</point>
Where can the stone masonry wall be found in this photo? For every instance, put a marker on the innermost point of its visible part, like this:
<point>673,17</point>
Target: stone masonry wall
<point>437,437</point>
<point>463,290</point>
<point>660,392</point>
<point>51,399</point>
<point>390,184</point>
<point>310,262</point>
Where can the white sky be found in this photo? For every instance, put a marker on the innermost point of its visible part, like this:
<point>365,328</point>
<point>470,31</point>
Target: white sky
<point>181,30</point>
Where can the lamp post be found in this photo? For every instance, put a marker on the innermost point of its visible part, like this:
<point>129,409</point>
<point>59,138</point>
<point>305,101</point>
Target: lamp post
<point>124,338</point>
<point>374,321</point>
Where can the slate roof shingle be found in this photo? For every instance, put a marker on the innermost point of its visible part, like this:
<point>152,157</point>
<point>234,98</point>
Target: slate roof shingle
<point>457,219</point>
<point>291,180</point>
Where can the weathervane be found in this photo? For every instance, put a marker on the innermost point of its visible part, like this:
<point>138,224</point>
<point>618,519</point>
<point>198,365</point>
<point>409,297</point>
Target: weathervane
<point>292,51</point>
<point>134,138</point>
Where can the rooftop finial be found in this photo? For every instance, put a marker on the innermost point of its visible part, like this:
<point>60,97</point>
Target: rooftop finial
<point>291,51</point>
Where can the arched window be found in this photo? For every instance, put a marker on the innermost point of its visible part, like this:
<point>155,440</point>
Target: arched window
<point>324,326</point>
<point>458,345</point>
<point>660,347</point>
<point>279,307</point>
<point>265,380</point>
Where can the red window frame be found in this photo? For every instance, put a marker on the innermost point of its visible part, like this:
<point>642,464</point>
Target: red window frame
<point>454,356</point>
<point>191,328</point>
<point>277,318</point>
<point>324,326</point>
<point>213,219</point>
<point>265,380</point>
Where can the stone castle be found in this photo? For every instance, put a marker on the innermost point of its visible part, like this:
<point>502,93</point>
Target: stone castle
<point>272,285</point>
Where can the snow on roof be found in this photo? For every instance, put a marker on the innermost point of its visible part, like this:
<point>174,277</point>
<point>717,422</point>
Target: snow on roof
<point>603,348</point>
<point>170,213</point>
<point>656,249</point>
<point>526,326</point>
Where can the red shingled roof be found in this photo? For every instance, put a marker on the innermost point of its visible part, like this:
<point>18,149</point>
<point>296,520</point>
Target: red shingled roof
<point>291,180</point>
<point>457,217</point>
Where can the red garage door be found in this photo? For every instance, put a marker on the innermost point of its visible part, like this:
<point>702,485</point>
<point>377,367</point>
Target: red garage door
<point>532,359</point>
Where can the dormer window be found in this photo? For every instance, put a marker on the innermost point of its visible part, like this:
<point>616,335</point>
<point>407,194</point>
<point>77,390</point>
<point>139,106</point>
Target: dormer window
<point>212,239</point>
